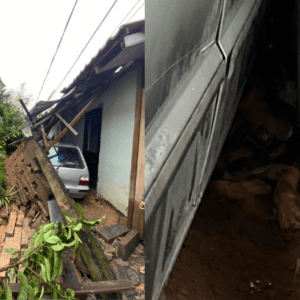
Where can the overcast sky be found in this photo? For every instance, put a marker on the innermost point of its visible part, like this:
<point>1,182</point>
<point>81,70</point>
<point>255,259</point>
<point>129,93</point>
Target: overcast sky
<point>31,31</point>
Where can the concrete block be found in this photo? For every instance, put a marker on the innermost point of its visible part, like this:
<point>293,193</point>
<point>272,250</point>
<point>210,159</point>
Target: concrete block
<point>112,232</point>
<point>127,244</point>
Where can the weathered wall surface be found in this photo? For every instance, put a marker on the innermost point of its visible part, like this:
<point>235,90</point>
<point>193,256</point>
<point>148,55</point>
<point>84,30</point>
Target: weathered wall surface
<point>116,141</point>
<point>118,103</point>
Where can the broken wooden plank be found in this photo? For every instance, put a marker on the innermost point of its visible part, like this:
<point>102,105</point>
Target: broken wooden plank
<point>112,232</point>
<point>11,223</point>
<point>15,131</point>
<point>86,288</point>
<point>67,124</point>
<point>72,123</point>
<point>36,224</point>
<point>43,209</point>
<point>36,216</point>
<point>15,142</point>
<point>50,115</point>
<point>44,135</point>
<point>43,196</point>
<point>32,211</point>
<point>127,244</point>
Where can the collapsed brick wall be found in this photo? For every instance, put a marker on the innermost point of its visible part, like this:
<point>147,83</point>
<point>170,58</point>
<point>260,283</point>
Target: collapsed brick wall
<point>24,173</point>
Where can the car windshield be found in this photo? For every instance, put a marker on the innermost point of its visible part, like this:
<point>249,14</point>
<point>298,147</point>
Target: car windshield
<point>65,157</point>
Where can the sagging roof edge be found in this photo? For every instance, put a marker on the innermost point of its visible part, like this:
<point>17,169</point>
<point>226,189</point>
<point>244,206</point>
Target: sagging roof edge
<point>71,90</point>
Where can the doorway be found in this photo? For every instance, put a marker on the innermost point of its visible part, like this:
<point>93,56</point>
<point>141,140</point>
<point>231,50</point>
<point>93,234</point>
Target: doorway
<point>91,142</point>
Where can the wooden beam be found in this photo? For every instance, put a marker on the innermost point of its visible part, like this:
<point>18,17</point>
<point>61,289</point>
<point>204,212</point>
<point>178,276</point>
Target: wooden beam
<point>73,104</point>
<point>16,142</point>
<point>85,288</point>
<point>26,110</point>
<point>73,122</point>
<point>15,131</point>
<point>44,136</point>
<point>50,115</point>
<point>44,118</point>
<point>67,124</point>
<point>135,149</point>
<point>139,210</point>
<point>90,251</point>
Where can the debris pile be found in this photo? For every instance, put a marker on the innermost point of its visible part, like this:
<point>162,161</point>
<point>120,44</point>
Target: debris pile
<point>32,207</point>
<point>29,209</point>
<point>25,177</point>
<point>258,162</point>
<point>126,256</point>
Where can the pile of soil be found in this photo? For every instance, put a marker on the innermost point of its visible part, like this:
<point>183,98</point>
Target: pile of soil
<point>226,249</point>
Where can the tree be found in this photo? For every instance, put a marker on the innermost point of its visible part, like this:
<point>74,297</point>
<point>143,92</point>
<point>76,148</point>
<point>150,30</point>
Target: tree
<point>3,93</point>
<point>11,121</point>
<point>15,96</point>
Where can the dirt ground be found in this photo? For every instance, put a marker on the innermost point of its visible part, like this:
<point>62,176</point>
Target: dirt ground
<point>237,248</point>
<point>94,209</point>
<point>225,250</point>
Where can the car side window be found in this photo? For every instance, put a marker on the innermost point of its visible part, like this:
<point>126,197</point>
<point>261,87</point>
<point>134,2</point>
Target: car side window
<point>53,156</point>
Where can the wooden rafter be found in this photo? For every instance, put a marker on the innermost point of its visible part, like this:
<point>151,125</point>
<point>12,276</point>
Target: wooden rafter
<point>50,115</point>
<point>73,122</point>
<point>67,124</point>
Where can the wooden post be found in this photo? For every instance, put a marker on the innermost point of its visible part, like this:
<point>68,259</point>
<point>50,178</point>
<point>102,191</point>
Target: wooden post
<point>73,122</point>
<point>67,124</point>
<point>27,112</point>
<point>136,179</point>
<point>44,136</point>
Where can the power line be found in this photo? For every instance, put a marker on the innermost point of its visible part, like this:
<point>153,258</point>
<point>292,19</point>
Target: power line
<point>57,48</point>
<point>135,12</point>
<point>125,17</point>
<point>88,42</point>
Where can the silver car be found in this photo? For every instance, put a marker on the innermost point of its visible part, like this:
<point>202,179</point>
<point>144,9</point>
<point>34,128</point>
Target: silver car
<point>71,167</point>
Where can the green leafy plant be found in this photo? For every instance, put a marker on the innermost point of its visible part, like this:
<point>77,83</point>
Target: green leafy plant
<point>45,253</point>
<point>6,198</point>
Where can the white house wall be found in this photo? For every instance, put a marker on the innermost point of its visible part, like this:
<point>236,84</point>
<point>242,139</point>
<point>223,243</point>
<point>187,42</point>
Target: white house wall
<point>114,169</point>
